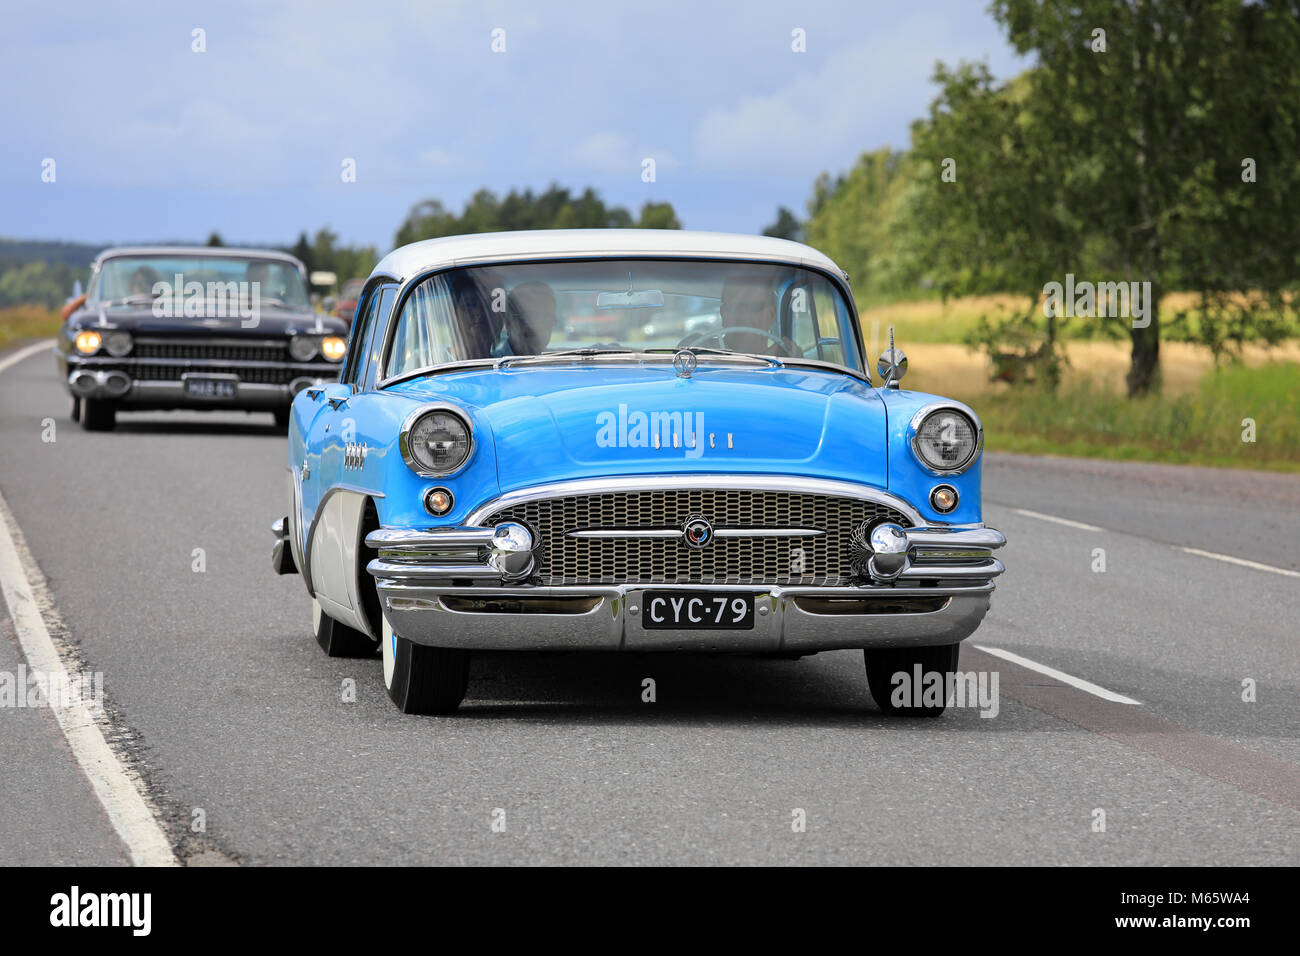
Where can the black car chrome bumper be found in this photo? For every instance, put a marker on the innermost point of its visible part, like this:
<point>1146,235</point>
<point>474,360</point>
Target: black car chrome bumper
<point>124,382</point>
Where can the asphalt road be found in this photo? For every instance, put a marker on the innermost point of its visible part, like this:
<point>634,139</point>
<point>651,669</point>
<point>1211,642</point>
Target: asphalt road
<point>223,702</point>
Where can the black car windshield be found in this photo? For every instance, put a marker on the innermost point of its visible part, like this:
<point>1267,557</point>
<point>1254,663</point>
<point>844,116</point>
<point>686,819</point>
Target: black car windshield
<point>623,305</point>
<point>199,282</point>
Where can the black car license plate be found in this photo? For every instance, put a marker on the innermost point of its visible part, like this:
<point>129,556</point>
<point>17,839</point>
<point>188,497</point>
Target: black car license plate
<point>202,386</point>
<point>697,610</point>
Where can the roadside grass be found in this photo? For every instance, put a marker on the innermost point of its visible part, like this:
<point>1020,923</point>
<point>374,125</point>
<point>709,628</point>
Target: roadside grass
<point>18,322</point>
<point>936,320</point>
<point>1203,427</point>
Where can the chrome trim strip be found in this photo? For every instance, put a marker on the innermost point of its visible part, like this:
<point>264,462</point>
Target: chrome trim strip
<point>979,572</point>
<point>955,537</point>
<point>798,485</point>
<point>271,343</point>
<point>627,533</point>
<point>767,532</point>
<point>397,571</point>
<point>717,532</point>
<point>130,362</point>
<point>399,539</point>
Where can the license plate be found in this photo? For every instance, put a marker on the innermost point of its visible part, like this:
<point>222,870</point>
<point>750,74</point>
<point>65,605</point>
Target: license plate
<point>198,386</point>
<point>697,611</point>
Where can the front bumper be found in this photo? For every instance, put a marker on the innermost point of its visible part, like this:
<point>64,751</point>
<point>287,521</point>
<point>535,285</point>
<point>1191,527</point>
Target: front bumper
<point>131,383</point>
<point>451,588</point>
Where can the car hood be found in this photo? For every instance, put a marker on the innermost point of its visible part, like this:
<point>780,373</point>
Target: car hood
<point>555,423</point>
<point>269,322</point>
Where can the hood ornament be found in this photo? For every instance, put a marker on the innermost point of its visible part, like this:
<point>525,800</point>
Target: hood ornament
<point>684,362</point>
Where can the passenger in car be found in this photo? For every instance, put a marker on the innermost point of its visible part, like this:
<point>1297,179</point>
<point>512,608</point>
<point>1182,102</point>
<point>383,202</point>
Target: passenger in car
<point>530,320</point>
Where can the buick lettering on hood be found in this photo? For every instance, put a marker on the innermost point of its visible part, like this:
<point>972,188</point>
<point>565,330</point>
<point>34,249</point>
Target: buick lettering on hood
<point>628,440</point>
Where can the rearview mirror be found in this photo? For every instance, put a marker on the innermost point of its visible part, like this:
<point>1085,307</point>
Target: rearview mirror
<point>642,299</point>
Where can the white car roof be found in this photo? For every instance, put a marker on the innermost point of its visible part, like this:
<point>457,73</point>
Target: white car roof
<point>417,257</point>
<point>215,251</point>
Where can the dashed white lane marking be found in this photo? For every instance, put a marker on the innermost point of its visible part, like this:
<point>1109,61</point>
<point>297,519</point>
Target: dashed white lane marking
<point>23,353</point>
<point>116,787</point>
<point>1077,682</point>
<point>1055,520</point>
<point>1241,561</point>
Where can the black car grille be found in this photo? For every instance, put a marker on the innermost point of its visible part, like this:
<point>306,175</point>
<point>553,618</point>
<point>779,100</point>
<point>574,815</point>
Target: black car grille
<point>269,351</point>
<point>808,560</point>
<point>257,375</point>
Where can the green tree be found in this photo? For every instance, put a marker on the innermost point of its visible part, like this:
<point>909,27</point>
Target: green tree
<point>787,226</point>
<point>854,218</point>
<point>658,215</point>
<point>1155,104</point>
<point>554,208</point>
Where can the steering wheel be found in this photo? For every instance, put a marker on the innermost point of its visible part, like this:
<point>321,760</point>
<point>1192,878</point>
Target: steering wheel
<point>720,336</point>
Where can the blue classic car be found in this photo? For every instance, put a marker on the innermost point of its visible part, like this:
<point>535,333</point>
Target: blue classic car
<point>628,440</point>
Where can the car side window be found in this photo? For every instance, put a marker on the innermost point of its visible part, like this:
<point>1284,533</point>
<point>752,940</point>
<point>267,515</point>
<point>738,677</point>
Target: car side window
<point>830,344</point>
<point>375,343</point>
<point>354,369</point>
<point>425,334</point>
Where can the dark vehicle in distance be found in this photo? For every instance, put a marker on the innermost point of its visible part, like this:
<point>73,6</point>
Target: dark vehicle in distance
<point>348,295</point>
<point>195,328</point>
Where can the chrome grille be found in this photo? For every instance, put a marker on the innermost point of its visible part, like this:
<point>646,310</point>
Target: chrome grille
<point>265,351</point>
<point>727,560</point>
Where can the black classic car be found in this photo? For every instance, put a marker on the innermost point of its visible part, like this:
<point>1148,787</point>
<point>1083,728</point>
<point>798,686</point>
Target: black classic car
<point>195,328</point>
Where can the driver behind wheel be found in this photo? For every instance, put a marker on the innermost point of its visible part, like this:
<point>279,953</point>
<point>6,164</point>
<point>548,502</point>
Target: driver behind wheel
<point>749,302</point>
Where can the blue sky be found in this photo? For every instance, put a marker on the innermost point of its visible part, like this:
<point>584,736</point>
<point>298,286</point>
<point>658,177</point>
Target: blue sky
<point>154,141</point>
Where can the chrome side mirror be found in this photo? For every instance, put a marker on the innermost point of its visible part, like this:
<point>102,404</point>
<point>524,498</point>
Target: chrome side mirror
<point>892,364</point>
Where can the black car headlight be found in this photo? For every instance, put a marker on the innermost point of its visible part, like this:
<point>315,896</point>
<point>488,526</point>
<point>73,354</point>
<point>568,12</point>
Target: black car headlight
<point>118,344</point>
<point>303,348</point>
<point>436,441</point>
<point>946,440</point>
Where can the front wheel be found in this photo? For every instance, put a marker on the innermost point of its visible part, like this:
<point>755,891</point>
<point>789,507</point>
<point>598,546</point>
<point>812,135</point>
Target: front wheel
<point>421,679</point>
<point>98,415</point>
<point>911,681</point>
<point>339,640</point>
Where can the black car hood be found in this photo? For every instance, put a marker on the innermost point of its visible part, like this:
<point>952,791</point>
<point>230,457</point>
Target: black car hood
<point>270,322</point>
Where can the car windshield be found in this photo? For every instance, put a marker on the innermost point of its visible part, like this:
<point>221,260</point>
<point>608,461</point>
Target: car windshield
<point>132,281</point>
<point>623,305</point>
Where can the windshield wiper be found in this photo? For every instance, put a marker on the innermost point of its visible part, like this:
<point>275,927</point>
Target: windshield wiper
<point>505,360</point>
<point>771,360</point>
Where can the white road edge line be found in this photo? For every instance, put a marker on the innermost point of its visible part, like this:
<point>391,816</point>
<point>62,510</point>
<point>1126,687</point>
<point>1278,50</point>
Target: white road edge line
<point>1242,561</point>
<point>1055,520</point>
<point>117,788</point>
<point>23,353</point>
<point>1077,682</point>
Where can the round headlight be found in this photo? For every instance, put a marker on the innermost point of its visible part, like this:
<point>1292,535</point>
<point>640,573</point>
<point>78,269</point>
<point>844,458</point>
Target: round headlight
<point>88,342</point>
<point>946,440</point>
<point>303,348</point>
<point>333,348</point>
<point>438,442</point>
<point>118,344</point>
